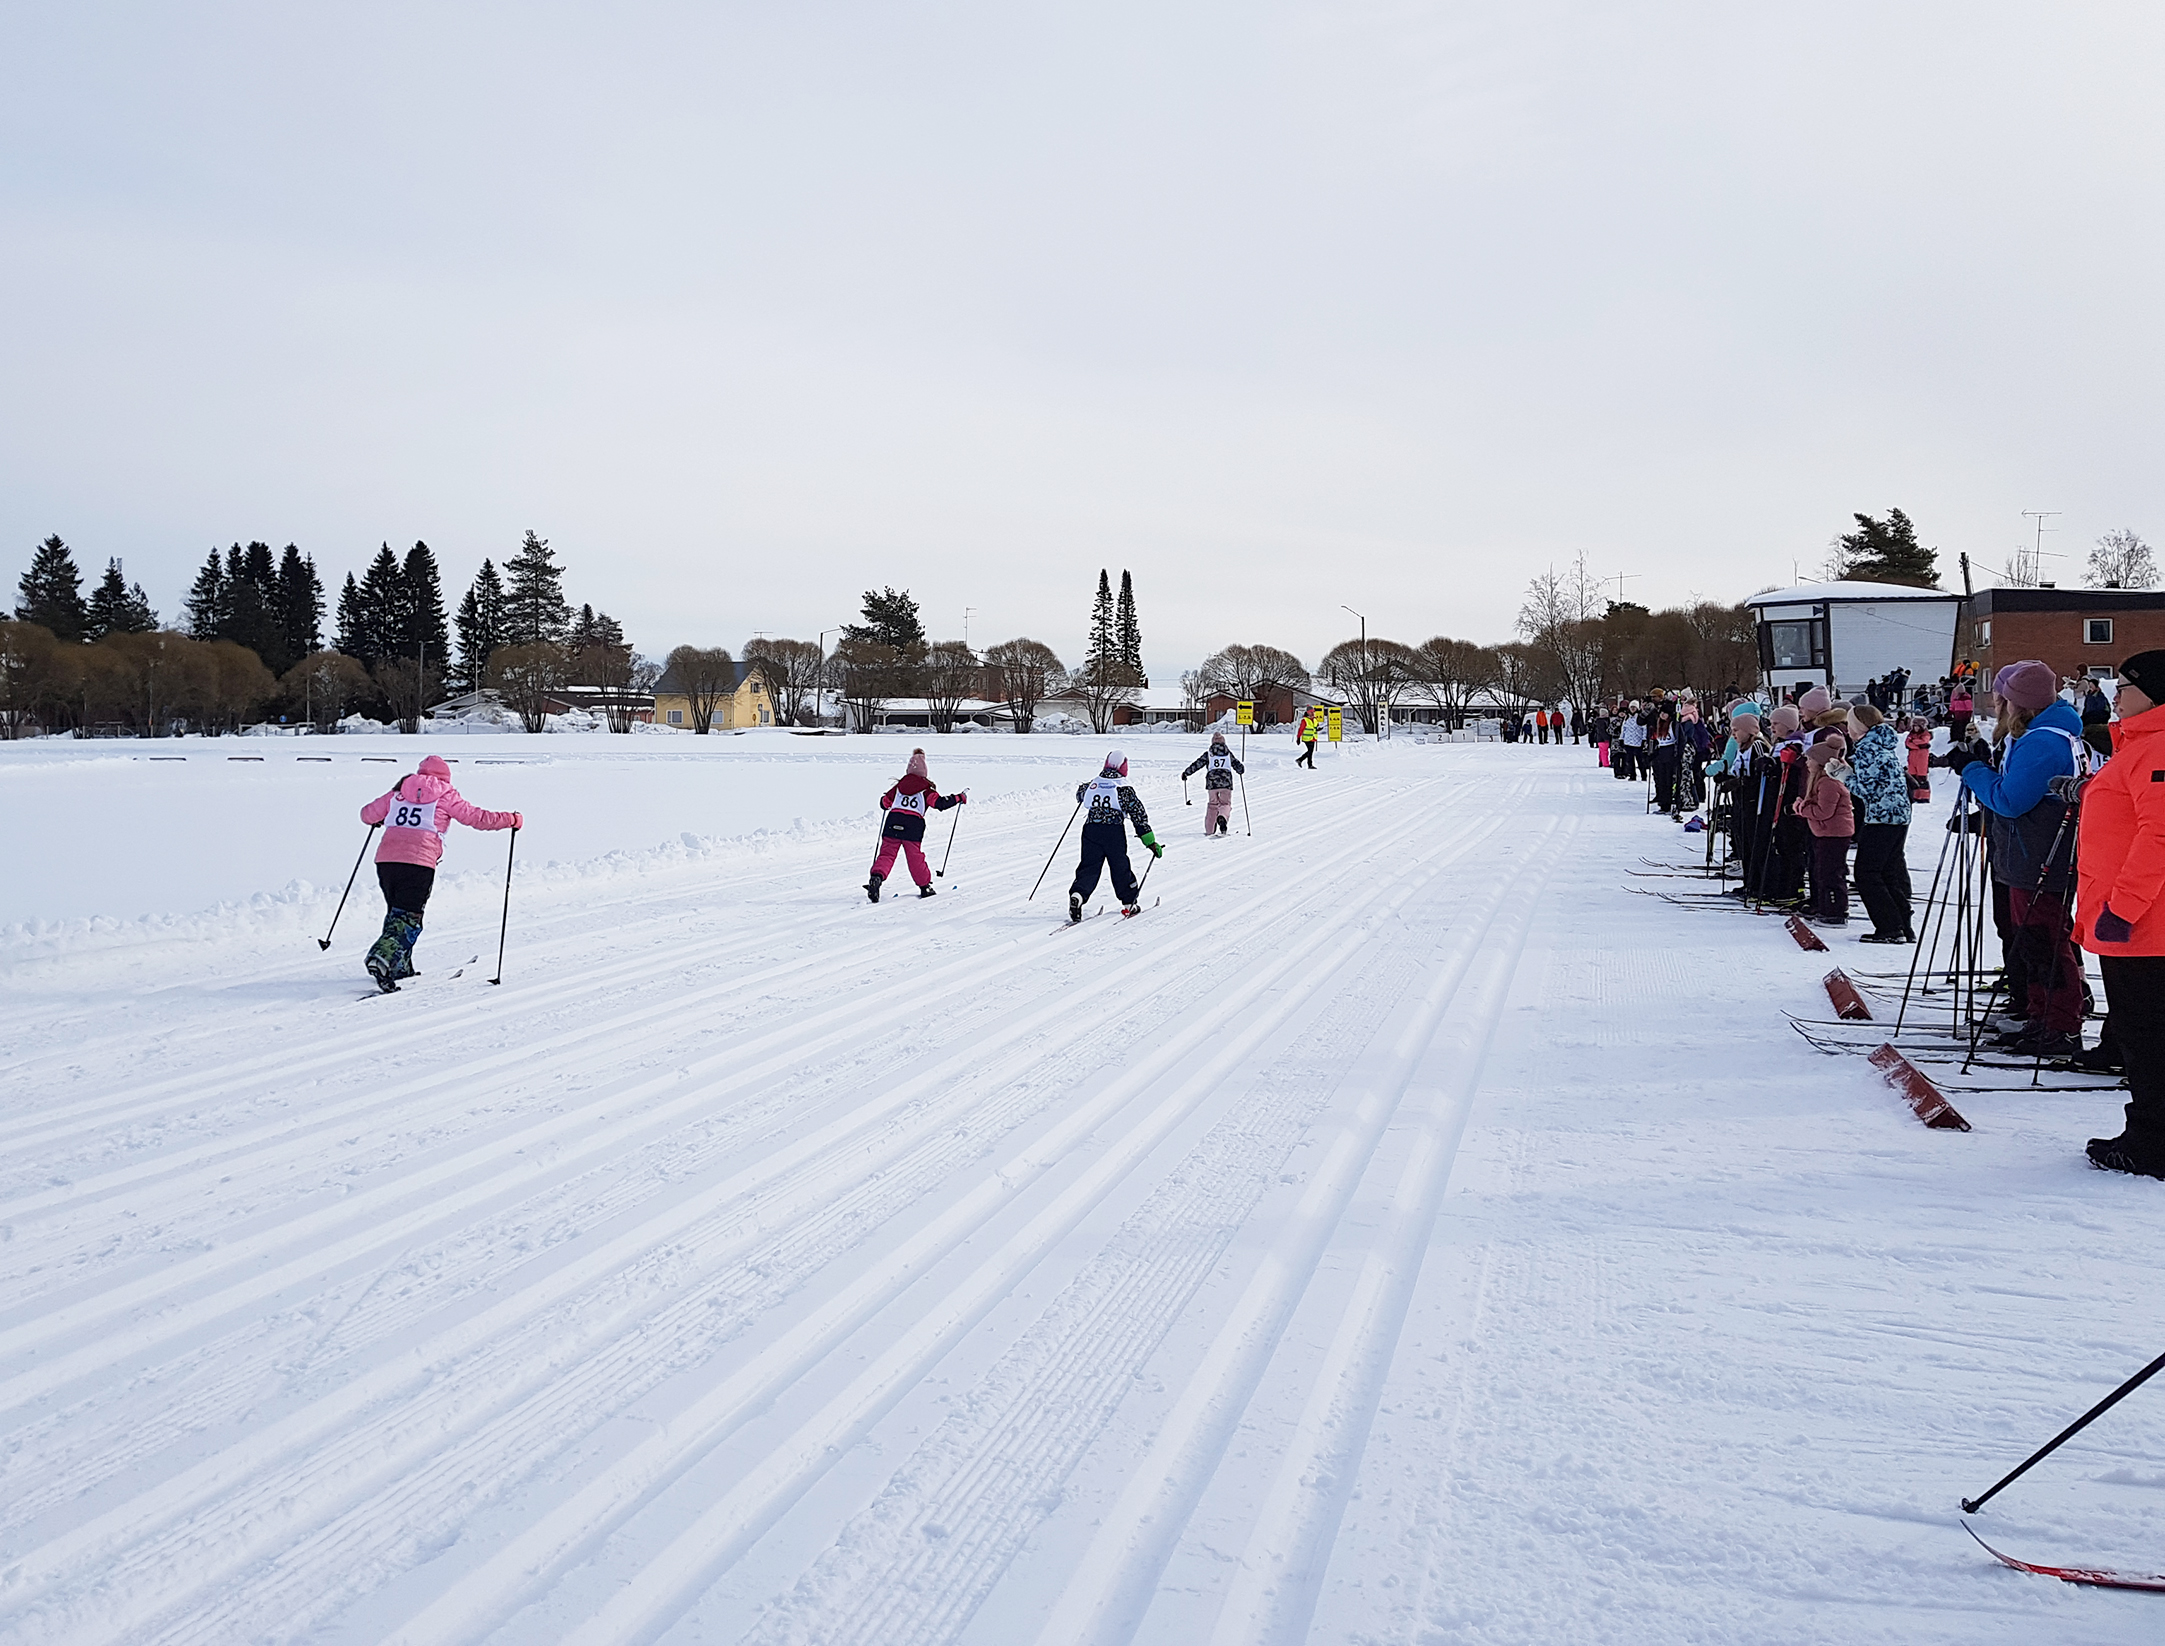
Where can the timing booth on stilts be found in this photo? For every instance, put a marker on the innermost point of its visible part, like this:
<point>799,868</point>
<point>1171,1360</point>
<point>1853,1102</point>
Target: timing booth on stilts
<point>1845,635</point>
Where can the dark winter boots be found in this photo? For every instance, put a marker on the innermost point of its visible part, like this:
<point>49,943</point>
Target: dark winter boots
<point>872,887</point>
<point>926,891</point>
<point>1074,908</point>
<point>2112,1154</point>
<point>390,957</point>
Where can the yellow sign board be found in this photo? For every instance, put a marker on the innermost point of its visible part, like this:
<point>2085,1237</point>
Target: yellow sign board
<point>1338,724</point>
<point>1244,714</point>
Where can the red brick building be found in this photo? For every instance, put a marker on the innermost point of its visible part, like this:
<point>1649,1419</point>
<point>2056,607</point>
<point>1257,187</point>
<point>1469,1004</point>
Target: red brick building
<point>2077,631</point>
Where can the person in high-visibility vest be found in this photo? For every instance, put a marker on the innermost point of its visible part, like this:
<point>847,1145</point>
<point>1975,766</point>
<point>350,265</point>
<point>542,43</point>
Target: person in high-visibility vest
<point>1310,728</point>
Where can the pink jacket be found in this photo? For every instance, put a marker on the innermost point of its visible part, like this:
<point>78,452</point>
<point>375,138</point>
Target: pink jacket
<point>1827,809</point>
<point>418,811</point>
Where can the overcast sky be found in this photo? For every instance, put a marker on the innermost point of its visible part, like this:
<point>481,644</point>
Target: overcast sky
<point>1280,306</point>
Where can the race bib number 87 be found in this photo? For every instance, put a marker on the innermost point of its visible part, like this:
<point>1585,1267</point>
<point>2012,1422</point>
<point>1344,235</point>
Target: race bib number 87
<point>411,814</point>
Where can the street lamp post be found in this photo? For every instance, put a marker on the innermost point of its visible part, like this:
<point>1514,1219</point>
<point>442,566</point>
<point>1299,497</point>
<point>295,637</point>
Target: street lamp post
<point>1364,642</point>
<point>819,683</point>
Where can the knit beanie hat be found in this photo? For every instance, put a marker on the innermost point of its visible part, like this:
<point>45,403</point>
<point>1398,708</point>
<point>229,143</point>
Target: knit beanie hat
<point>2145,671</point>
<point>1824,753</point>
<point>1829,734</point>
<point>1786,719</point>
<point>2028,685</point>
<point>917,762</point>
<point>1116,763</point>
<point>1814,703</point>
<point>434,766</point>
<point>1744,727</point>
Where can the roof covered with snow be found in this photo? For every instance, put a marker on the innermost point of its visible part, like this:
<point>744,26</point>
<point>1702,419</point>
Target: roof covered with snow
<point>1847,589</point>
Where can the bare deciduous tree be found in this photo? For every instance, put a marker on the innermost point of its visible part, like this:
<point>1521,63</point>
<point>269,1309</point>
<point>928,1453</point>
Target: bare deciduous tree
<point>791,669</point>
<point>1023,673</point>
<point>865,673</point>
<point>324,685</point>
<point>705,675</point>
<point>1451,673</point>
<point>527,677</point>
<point>1373,674</point>
<point>1562,620</point>
<point>950,674</point>
<point>2122,560</point>
<point>1255,674</point>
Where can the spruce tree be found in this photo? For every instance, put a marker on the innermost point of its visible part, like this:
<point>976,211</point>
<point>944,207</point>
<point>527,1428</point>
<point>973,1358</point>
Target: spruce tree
<point>481,627</point>
<point>253,618</point>
<point>890,619</point>
<point>352,625</point>
<point>534,608</point>
<point>1888,552</point>
<point>1128,633</point>
<point>425,634</point>
<point>1101,657</point>
<point>50,593</point>
<point>300,604</point>
<point>382,607</point>
<point>115,608</point>
<point>206,604</point>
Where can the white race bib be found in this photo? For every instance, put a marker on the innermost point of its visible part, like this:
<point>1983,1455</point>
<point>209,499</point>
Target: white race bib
<point>1105,791</point>
<point>1221,762</point>
<point>910,803</point>
<point>412,814</point>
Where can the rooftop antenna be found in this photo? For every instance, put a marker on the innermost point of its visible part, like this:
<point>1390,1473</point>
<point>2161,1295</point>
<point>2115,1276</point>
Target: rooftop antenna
<point>1620,576</point>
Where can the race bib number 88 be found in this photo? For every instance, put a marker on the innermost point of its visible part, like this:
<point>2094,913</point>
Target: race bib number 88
<point>411,814</point>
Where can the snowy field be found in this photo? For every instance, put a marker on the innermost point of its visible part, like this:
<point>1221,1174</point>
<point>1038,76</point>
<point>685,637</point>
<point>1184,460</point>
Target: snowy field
<point>1403,1232</point>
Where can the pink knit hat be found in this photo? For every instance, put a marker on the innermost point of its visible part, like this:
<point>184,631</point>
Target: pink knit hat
<point>917,762</point>
<point>2029,685</point>
<point>1825,754</point>
<point>434,766</point>
<point>1786,718</point>
<point>1814,703</point>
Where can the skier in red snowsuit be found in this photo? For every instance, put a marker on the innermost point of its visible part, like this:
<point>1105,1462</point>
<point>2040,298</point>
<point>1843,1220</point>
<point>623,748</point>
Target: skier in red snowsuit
<point>907,805</point>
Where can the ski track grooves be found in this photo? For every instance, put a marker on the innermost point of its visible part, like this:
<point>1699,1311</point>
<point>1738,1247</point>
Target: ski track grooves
<point>1108,1592</point>
<point>219,1473</point>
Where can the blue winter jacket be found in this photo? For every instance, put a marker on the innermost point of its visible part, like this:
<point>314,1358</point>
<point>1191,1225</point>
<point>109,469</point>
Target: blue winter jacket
<point>1879,775</point>
<point>2037,757</point>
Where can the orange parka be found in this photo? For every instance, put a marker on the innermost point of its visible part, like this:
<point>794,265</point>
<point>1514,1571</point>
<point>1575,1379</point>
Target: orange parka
<point>2121,839</point>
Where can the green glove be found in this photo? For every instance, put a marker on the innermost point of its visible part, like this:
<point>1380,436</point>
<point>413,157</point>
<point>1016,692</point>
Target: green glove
<point>1151,841</point>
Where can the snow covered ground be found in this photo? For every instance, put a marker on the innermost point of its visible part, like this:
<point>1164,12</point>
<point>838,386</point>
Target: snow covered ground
<point>1403,1232</point>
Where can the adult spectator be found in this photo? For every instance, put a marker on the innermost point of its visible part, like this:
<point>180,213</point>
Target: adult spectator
<point>2119,911</point>
<point>1879,779</point>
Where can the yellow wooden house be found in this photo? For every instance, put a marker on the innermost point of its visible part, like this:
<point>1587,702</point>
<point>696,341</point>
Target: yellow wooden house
<point>749,705</point>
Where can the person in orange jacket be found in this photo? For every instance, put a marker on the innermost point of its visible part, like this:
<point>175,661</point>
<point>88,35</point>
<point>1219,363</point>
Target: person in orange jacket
<point>2120,905</point>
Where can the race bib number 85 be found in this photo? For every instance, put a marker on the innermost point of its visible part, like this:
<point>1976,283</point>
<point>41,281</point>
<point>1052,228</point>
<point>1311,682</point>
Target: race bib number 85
<point>411,814</point>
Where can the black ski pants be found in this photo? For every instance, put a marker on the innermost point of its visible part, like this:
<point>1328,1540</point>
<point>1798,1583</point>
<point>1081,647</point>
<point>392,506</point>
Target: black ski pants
<point>406,885</point>
<point>1307,758</point>
<point>2135,994</point>
<point>1105,846</point>
<point>1883,876</point>
<point>1668,761</point>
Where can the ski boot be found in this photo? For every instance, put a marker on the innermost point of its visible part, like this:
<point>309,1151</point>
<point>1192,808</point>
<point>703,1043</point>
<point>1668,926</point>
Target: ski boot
<point>1131,910</point>
<point>2111,1154</point>
<point>1074,908</point>
<point>926,891</point>
<point>872,888</point>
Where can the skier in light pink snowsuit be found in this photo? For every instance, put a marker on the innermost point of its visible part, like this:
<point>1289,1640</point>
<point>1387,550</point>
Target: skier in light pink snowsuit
<point>415,814</point>
<point>1218,786</point>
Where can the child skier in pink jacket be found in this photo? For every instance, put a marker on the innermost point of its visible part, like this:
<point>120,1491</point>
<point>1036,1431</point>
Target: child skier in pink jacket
<point>415,815</point>
<point>907,805</point>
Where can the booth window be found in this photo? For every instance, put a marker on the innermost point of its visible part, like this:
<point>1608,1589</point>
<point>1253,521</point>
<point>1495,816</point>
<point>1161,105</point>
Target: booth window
<point>1797,644</point>
<point>2097,631</point>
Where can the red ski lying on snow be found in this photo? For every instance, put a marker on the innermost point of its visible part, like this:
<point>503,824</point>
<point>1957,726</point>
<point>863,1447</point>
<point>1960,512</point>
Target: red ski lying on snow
<point>2095,1577</point>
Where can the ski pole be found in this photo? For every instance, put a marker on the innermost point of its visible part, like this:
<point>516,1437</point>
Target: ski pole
<point>505,928</point>
<point>1184,800</point>
<point>1970,1505</point>
<point>953,824</point>
<point>1055,852</point>
<point>324,942</point>
<point>1243,776</point>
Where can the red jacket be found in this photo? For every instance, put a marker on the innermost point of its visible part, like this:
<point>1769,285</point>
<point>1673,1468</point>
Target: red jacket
<point>2120,840</point>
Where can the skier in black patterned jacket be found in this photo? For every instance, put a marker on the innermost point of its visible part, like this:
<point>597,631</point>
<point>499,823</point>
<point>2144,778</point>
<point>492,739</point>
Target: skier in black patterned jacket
<point>1113,805</point>
<point>1218,786</point>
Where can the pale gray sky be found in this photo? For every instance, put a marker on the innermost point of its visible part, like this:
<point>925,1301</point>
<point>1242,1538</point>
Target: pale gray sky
<point>1278,305</point>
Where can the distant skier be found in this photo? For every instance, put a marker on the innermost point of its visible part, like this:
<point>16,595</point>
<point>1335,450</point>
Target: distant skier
<point>907,805</point>
<point>1113,805</point>
<point>1218,786</point>
<point>415,814</point>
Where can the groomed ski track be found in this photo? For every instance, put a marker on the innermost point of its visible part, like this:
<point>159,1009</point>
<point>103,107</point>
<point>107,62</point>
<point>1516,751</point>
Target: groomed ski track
<point>759,1265</point>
